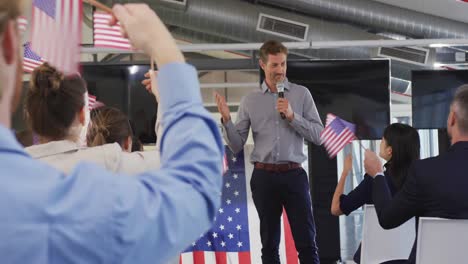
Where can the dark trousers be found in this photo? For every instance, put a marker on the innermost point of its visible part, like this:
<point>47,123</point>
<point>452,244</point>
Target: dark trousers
<point>273,190</point>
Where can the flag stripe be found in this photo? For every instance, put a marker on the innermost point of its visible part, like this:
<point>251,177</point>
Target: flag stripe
<point>336,134</point>
<point>209,257</point>
<point>186,258</point>
<point>108,36</point>
<point>343,139</point>
<point>221,257</point>
<point>244,258</point>
<point>291,252</point>
<point>198,257</point>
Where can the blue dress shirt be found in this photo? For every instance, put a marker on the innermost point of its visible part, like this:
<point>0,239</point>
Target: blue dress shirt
<point>94,216</point>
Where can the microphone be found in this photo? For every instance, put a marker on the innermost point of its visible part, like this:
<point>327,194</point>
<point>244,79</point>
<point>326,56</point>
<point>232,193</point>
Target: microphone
<point>280,89</point>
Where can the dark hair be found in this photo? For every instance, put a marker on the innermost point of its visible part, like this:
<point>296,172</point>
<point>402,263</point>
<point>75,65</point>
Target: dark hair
<point>52,101</point>
<point>136,144</point>
<point>272,47</point>
<point>108,125</point>
<point>404,141</point>
<point>460,101</point>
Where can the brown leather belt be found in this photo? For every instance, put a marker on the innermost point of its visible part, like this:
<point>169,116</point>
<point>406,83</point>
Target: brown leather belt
<point>277,167</point>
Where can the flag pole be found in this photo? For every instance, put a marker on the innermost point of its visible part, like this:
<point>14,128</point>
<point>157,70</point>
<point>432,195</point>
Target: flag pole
<point>360,144</point>
<point>99,5</point>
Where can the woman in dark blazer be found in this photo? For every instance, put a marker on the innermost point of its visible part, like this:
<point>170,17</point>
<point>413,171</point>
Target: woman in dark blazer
<point>399,147</point>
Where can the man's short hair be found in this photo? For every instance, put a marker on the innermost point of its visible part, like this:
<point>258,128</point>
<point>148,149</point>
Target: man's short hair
<point>460,104</point>
<point>9,10</point>
<point>272,47</point>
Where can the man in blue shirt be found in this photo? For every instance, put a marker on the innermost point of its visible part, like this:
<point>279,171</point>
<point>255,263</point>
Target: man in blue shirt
<point>91,215</point>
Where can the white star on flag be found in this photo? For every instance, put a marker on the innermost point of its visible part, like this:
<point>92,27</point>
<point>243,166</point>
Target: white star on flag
<point>223,244</point>
<point>221,227</point>
<point>234,159</point>
<point>237,210</point>
<point>193,244</point>
<point>238,227</point>
<point>228,201</point>
<point>231,236</point>
<point>239,244</point>
<point>229,219</point>
<point>215,235</point>
<point>236,193</point>
<point>221,210</point>
<point>228,185</point>
<point>208,243</point>
<point>235,176</point>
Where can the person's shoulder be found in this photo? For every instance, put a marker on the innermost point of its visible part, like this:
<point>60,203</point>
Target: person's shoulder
<point>107,148</point>
<point>297,87</point>
<point>108,155</point>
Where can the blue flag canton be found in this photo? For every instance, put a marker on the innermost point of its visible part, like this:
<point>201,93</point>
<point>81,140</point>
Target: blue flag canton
<point>28,53</point>
<point>230,232</point>
<point>338,125</point>
<point>47,6</point>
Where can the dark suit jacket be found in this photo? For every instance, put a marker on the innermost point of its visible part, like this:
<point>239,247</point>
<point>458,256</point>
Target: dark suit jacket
<point>435,187</point>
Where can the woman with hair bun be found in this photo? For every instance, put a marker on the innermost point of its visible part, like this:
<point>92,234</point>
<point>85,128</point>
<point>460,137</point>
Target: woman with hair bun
<point>57,110</point>
<point>109,125</point>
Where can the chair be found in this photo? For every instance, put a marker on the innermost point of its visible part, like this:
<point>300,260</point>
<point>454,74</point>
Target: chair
<point>379,245</point>
<point>441,241</point>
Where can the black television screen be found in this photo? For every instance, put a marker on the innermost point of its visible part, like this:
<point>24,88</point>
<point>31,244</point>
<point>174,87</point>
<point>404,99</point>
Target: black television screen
<point>120,86</point>
<point>355,90</point>
<point>432,93</point>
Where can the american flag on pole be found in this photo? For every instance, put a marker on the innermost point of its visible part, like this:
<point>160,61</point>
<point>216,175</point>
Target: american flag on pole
<point>56,34</point>
<point>22,23</point>
<point>235,236</point>
<point>108,36</point>
<point>337,134</point>
<point>31,60</point>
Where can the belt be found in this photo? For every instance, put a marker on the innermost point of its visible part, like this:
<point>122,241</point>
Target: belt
<point>277,167</point>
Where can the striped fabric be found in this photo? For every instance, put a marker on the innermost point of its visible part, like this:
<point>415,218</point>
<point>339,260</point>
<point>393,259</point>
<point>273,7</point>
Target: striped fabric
<point>336,134</point>
<point>56,32</point>
<point>106,36</point>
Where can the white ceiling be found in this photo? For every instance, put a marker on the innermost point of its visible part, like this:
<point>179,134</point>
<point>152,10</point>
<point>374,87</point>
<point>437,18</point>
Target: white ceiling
<point>451,9</point>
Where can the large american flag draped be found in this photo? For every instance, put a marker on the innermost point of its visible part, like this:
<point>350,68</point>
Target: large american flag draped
<point>235,238</point>
<point>337,134</point>
<point>108,36</point>
<point>56,34</point>
<point>31,59</point>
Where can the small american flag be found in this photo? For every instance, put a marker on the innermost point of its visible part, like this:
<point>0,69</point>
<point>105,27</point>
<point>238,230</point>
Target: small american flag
<point>22,23</point>
<point>337,134</point>
<point>56,32</point>
<point>31,60</point>
<point>108,36</point>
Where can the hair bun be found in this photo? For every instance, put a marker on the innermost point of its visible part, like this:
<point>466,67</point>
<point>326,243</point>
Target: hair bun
<point>46,79</point>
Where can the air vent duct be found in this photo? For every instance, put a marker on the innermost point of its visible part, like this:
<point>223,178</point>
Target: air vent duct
<point>412,55</point>
<point>282,27</point>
